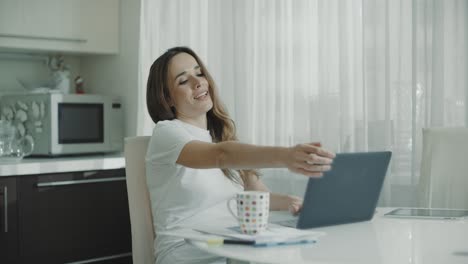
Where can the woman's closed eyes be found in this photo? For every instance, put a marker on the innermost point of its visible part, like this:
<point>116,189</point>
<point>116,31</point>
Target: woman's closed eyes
<point>181,82</point>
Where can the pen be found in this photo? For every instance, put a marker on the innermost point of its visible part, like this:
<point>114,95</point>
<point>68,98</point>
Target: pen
<point>215,241</point>
<point>239,242</point>
<point>218,241</point>
<point>285,243</point>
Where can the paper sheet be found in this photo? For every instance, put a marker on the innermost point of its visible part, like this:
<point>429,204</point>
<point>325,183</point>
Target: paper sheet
<point>274,233</point>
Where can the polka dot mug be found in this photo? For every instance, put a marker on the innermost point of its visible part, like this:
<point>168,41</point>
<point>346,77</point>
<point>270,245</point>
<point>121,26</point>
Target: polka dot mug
<point>253,209</point>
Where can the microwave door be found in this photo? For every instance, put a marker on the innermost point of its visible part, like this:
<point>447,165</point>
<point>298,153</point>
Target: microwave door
<point>80,128</point>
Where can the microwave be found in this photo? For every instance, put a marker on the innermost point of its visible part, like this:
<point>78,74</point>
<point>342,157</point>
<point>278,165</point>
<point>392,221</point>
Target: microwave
<point>66,124</point>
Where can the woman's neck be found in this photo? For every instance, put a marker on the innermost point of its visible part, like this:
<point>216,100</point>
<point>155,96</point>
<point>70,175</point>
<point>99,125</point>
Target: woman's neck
<point>200,122</point>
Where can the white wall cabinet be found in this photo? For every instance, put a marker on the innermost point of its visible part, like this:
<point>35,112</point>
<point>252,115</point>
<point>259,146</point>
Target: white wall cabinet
<point>75,26</point>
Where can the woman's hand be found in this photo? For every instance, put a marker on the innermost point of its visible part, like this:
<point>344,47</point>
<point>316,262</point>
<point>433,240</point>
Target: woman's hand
<point>309,159</point>
<point>294,204</point>
<point>283,202</point>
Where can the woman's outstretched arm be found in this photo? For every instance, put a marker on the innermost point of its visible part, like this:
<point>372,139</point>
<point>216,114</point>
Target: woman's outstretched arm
<point>306,159</point>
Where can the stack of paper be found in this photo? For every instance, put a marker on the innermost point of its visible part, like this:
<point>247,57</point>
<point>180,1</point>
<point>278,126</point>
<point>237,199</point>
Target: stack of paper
<point>275,235</point>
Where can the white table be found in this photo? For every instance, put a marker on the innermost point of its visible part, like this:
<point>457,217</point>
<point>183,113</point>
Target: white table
<point>382,240</point>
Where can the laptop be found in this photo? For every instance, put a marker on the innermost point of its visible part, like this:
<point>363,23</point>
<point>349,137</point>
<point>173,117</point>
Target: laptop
<point>348,193</point>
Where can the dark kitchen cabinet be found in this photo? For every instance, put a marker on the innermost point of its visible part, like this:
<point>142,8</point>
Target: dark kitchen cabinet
<point>76,216</point>
<point>8,221</point>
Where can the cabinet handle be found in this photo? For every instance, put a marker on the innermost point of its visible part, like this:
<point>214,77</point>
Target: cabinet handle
<point>5,207</point>
<point>6,35</point>
<point>101,258</point>
<point>63,183</point>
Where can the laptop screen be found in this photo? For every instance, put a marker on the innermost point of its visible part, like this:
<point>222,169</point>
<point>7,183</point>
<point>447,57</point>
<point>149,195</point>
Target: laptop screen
<point>348,193</point>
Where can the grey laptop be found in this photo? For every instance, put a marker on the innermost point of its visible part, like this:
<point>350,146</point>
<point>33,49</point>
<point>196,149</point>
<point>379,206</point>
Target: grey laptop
<point>347,193</point>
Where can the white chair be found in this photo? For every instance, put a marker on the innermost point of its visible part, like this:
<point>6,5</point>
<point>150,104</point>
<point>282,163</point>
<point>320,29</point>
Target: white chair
<point>443,180</point>
<point>138,200</point>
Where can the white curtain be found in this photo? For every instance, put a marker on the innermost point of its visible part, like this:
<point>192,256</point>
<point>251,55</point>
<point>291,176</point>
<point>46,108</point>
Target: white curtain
<point>356,75</point>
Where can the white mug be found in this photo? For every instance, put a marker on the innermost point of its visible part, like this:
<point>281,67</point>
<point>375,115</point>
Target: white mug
<point>253,209</point>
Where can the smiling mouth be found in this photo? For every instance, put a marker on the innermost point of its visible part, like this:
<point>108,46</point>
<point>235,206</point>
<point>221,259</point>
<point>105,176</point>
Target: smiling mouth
<point>201,96</point>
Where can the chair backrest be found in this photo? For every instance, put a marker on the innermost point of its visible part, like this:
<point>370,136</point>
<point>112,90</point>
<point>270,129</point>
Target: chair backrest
<point>138,200</point>
<point>444,168</point>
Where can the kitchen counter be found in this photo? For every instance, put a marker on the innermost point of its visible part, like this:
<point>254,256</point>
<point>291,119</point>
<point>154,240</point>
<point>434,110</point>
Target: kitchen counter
<point>36,165</point>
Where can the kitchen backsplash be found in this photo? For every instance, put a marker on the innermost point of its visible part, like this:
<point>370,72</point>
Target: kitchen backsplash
<point>19,112</point>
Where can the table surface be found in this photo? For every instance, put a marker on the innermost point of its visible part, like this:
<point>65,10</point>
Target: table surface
<point>381,240</point>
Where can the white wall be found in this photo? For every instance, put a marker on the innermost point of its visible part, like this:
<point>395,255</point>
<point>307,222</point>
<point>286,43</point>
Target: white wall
<point>118,74</point>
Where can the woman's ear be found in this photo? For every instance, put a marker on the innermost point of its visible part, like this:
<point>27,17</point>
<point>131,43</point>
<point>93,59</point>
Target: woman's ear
<point>170,102</point>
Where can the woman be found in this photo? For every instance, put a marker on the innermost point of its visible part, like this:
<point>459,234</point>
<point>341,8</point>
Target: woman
<point>194,161</point>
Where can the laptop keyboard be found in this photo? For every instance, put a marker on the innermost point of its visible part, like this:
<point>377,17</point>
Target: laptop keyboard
<point>290,223</point>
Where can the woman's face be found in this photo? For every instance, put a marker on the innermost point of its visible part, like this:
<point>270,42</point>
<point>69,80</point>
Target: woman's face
<point>188,87</point>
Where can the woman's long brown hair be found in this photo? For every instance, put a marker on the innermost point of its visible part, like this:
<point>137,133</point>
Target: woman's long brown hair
<point>220,125</point>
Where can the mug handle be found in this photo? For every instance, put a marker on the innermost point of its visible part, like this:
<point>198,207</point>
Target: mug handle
<point>228,204</point>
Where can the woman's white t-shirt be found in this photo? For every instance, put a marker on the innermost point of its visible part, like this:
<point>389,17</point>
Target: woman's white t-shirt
<point>181,196</point>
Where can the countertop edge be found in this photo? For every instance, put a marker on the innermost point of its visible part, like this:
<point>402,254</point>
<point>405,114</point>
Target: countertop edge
<point>63,164</point>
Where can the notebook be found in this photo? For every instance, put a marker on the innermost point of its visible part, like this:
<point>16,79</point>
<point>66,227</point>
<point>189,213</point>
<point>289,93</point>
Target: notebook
<point>348,193</point>
<point>216,234</point>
